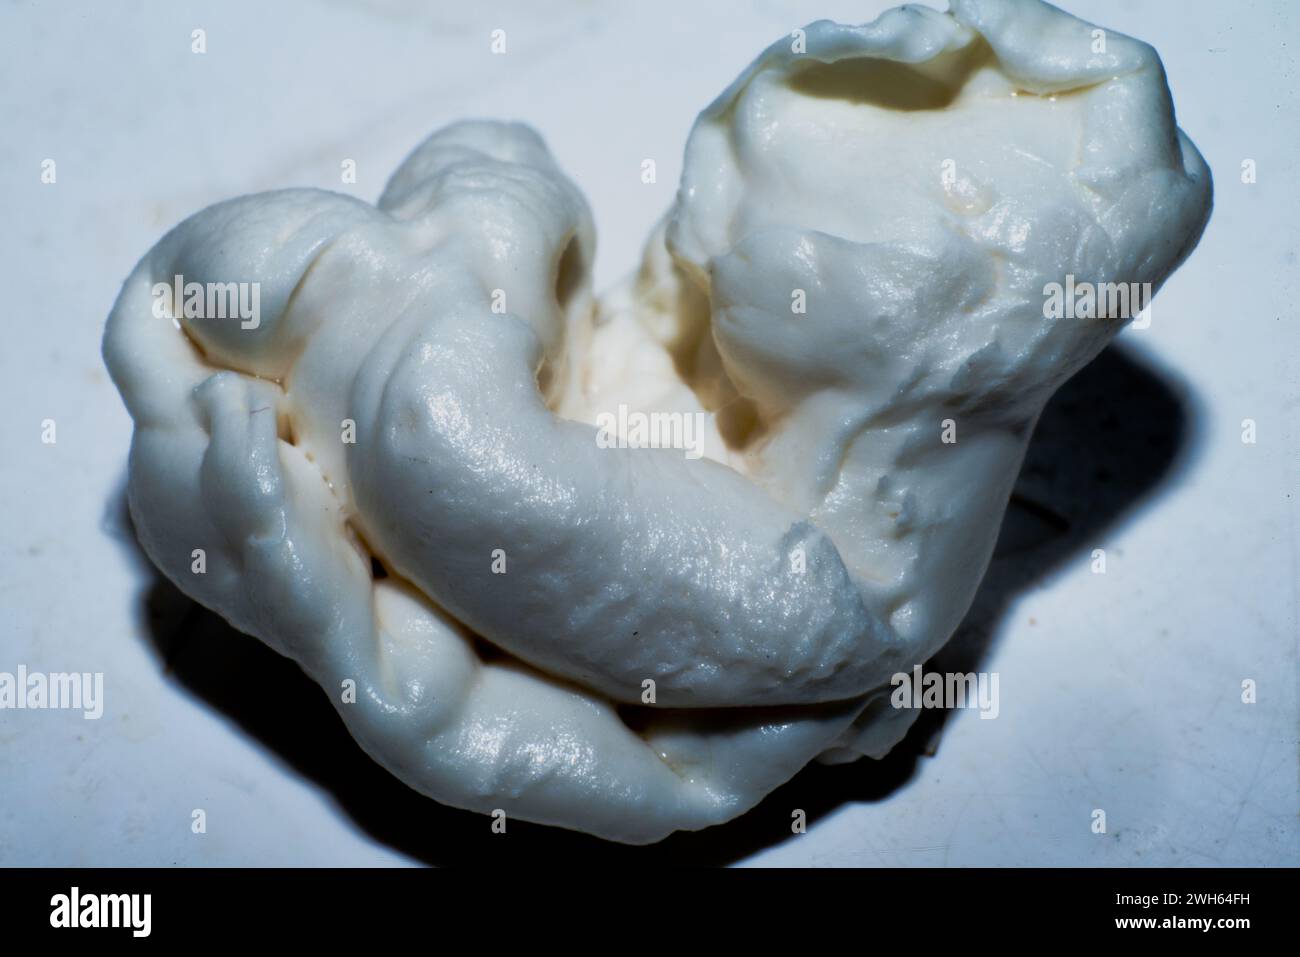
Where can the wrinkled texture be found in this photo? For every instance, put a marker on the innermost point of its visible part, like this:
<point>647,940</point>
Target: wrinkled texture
<point>920,179</point>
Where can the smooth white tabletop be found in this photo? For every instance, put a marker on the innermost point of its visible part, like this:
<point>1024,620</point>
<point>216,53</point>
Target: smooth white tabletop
<point>1119,691</point>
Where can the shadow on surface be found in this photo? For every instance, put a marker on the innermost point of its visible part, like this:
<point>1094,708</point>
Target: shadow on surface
<point>1110,436</point>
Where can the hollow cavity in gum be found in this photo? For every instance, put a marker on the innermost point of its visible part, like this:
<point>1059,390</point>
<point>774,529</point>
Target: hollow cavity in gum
<point>422,384</point>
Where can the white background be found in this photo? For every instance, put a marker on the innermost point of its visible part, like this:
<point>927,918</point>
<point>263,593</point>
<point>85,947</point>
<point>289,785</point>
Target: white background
<point>1118,691</point>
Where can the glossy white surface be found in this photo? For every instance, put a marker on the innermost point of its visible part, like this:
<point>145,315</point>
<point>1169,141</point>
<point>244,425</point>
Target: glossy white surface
<point>1035,679</point>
